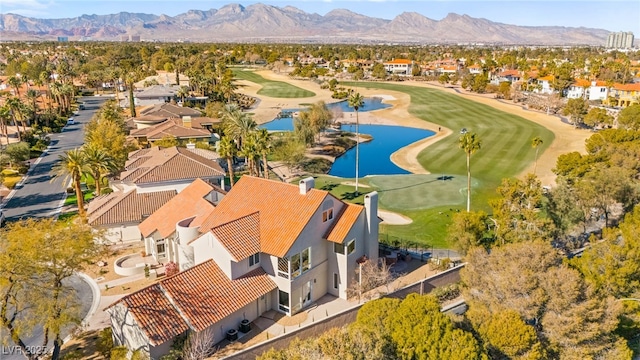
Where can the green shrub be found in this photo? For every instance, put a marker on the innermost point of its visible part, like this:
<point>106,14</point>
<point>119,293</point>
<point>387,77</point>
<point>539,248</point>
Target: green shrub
<point>104,343</point>
<point>119,353</point>
<point>317,165</point>
<point>105,191</point>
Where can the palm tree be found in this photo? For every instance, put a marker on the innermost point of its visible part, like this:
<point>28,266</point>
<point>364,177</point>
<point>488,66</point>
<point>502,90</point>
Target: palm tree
<point>5,117</point>
<point>72,165</point>
<point>18,113</point>
<point>15,82</point>
<point>227,149</point>
<point>32,95</point>
<point>535,142</point>
<point>264,147</point>
<point>356,101</point>
<point>470,143</point>
<point>182,93</point>
<point>237,124</point>
<point>99,164</point>
<point>250,152</point>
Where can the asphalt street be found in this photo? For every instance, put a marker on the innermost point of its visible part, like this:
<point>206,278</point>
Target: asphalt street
<point>40,197</point>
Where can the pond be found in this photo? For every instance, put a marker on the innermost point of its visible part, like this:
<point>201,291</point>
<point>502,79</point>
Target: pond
<point>286,123</point>
<point>375,155</point>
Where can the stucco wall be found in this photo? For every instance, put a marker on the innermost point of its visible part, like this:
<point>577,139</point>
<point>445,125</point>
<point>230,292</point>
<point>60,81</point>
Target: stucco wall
<point>123,232</point>
<point>126,331</point>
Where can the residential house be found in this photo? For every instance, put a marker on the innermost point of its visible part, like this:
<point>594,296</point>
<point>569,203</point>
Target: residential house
<point>151,178</point>
<point>152,95</point>
<point>151,128</point>
<point>157,169</point>
<point>510,76</point>
<point>545,84</point>
<point>588,90</point>
<point>120,212</point>
<point>186,210</point>
<point>267,245</point>
<point>399,66</point>
<point>475,69</point>
<point>624,95</point>
<point>170,111</point>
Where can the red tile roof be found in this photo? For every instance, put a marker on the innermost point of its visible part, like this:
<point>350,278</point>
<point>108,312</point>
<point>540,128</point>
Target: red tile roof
<point>126,207</point>
<point>241,237</point>
<point>155,314</point>
<point>196,298</point>
<point>627,87</point>
<point>284,212</point>
<point>344,223</point>
<point>168,164</point>
<point>399,61</point>
<point>546,78</point>
<point>188,203</point>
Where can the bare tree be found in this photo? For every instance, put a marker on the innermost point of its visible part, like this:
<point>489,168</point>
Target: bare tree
<point>369,276</point>
<point>199,345</point>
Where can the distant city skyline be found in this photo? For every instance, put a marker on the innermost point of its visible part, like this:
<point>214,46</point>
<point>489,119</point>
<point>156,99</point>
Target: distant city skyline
<point>615,15</point>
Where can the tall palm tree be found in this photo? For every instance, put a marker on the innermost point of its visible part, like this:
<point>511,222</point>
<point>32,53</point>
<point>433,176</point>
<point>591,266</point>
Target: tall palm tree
<point>99,163</point>
<point>535,142</point>
<point>470,143</point>
<point>227,149</point>
<point>33,95</point>
<point>237,123</point>
<point>356,101</point>
<point>45,78</point>
<point>264,147</point>
<point>250,152</point>
<point>5,117</point>
<point>18,113</point>
<point>15,82</point>
<point>72,165</point>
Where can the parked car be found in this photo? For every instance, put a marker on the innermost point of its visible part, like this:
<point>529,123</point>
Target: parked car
<point>82,106</point>
<point>71,121</point>
<point>463,131</point>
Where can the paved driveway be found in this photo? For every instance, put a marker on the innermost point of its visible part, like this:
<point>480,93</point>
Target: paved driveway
<point>38,196</point>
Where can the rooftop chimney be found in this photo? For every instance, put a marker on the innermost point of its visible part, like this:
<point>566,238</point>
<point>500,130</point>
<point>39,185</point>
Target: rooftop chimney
<point>186,121</point>
<point>306,185</point>
<point>191,145</point>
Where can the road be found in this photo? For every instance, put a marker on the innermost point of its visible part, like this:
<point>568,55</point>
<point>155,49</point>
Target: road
<point>38,196</point>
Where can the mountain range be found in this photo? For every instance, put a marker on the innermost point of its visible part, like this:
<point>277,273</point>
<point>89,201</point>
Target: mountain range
<point>266,23</point>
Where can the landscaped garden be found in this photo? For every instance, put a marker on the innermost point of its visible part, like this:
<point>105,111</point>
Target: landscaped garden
<point>275,89</point>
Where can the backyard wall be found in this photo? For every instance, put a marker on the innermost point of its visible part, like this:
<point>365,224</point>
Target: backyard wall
<point>346,317</point>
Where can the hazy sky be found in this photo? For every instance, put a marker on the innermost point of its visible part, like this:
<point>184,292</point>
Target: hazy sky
<point>613,15</point>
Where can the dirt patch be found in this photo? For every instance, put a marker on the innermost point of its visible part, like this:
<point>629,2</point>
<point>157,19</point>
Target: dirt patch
<point>127,288</point>
<point>82,346</point>
<point>103,268</point>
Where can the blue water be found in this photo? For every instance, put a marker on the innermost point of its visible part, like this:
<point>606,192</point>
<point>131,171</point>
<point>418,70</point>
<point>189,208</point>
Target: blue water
<point>286,124</point>
<point>375,155</point>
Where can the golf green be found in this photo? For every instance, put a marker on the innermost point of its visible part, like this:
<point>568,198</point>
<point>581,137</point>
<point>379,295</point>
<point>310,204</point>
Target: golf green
<point>274,89</point>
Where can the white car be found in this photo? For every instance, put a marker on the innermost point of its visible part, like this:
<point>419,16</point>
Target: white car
<point>71,121</point>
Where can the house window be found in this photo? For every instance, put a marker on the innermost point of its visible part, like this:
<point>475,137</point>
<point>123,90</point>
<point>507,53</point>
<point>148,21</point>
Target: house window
<point>283,267</point>
<point>160,247</point>
<point>254,259</point>
<point>327,215</point>
<point>351,247</point>
<point>338,248</point>
<point>283,301</point>
<point>300,263</point>
<point>336,281</point>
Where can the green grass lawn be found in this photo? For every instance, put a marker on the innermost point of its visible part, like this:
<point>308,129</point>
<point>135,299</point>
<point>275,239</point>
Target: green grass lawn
<point>274,89</point>
<point>506,151</point>
<point>72,199</point>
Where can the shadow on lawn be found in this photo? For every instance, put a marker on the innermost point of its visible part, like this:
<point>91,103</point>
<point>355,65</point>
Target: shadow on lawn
<point>439,178</point>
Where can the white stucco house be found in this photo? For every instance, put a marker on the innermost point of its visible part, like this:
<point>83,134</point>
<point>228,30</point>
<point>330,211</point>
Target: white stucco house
<point>151,178</point>
<point>399,66</point>
<point>267,245</point>
<point>588,90</point>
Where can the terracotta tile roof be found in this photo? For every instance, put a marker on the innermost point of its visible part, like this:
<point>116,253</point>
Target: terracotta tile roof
<point>399,61</point>
<point>547,78</point>
<point>170,128</point>
<point>344,223</point>
<point>582,83</point>
<point>120,207</point>
<point>170,110</point>
<point>241,237</point>
<point>284,212</point>
<point>189,203</point>
<point>168,164</point>
<point>510,73</point>
<point>196,298</point>
<point>154,314</point>
<point>627,87</point>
